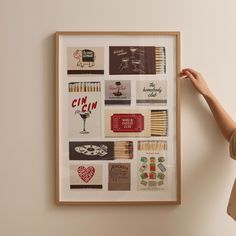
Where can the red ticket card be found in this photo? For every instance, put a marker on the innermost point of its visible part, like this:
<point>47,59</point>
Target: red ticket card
<point>127,122</point>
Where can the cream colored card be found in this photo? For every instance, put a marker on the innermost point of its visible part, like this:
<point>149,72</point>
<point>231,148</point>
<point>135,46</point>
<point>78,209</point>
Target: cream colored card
<point>84,176</point>
<point>152,165</point>
<point>151,92</point>
<point>84,108</point>
<point>85,60</point>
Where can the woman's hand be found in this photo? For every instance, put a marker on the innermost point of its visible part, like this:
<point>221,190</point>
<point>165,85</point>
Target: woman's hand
<point>223,119</point>
<point>197,80</point>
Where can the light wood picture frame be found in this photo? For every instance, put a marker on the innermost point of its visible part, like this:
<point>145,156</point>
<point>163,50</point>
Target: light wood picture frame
<point>118,118</point>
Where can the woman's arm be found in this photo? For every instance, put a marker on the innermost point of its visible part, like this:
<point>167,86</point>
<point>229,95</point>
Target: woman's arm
<point>224,121</point>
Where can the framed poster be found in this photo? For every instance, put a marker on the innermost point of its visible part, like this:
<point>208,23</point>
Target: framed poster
<point>117,117</point>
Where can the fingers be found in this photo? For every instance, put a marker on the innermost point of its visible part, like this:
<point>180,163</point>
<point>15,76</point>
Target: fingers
<point>186,73</point>
<point>196,79</point>
<point>194,72</point>
<point>190,75</point>
<point>183,74</point>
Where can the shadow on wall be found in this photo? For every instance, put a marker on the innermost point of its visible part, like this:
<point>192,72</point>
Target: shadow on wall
<point>208,149</point>
<point>49,116</point>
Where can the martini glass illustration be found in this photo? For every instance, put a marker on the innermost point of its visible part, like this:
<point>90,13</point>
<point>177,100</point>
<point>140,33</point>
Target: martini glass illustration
<point>124,64</point>
<point>84,116</point>
<point>137,66</point>
<point>133,50</point>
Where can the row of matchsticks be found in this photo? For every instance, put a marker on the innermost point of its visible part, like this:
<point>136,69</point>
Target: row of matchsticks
<point>159,122</point>
<point>160,60</point>
<point>124,149</point>
<point>85,87</point>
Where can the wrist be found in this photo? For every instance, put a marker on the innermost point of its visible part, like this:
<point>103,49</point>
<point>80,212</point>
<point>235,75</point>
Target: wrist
<point>207,93</point>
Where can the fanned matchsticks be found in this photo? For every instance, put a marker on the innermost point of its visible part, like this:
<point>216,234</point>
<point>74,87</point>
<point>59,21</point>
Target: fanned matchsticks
<point>160,60</point>
<point>123,149</point>
<point>85,87</point>
<point>159,123</point>
<point>152,145</point>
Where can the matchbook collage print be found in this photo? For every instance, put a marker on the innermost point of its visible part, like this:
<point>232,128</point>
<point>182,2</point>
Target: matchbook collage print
<point>117,118</point>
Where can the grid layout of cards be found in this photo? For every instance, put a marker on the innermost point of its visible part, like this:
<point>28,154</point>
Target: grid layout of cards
<point>117,124</point>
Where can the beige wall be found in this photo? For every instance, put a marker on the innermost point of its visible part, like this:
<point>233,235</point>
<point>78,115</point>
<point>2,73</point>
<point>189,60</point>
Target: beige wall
<point>27,101</point>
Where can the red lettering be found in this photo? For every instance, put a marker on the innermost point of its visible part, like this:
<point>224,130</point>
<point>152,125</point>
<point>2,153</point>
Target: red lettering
<point>89,106</point>
<point>84,100</point>
<point>94,105</point>
<point>74,103</point>
<point>84,107</point>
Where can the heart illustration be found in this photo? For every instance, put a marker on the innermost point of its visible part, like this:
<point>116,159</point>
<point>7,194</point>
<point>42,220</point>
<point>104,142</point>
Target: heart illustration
<point>86,174</point>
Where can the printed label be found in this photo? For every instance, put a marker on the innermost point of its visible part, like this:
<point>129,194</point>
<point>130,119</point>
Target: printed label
<point>84,109</point>
<point>127,123</point>
<point>117,92</point>
<point>85,60</point>
<point>119,176</point>
<point>151,92</point>
<point>85,176</point>
<point>132,60</point>
<point>137,60</point>
<point>91,150</point>
<point>152,161</point>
